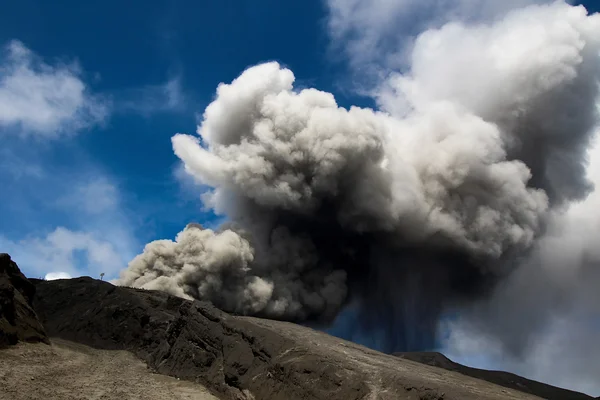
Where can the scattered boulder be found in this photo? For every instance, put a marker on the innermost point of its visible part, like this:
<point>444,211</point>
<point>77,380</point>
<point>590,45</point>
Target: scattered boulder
<point>18,320</point>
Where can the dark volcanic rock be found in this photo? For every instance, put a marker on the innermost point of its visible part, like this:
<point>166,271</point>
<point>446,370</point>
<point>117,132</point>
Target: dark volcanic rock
<point>241,357</point>
<point>501,378</point>
<point>18,321</point>
<point>189,340</point>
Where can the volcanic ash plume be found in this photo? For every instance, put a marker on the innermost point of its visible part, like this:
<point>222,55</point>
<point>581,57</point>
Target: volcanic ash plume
<point>404,212</point>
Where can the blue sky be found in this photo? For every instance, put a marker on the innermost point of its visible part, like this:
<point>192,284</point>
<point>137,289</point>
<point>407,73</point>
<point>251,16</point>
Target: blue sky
<point>150,71</point>
<point>87,170</point>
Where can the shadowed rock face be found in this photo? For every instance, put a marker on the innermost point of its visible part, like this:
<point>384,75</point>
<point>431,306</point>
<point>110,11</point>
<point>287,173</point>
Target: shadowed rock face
<point>241,357</point>
<point>501,378</point>
<point>189,340</point>
<point>18,321</point>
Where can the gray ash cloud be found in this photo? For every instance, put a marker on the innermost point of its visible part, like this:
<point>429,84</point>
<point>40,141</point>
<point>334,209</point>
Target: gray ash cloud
<point>430,204</point>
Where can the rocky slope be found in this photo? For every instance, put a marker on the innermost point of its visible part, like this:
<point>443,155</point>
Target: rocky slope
<point>18,321</point>
<point>240,357</point>
<point>501,378</point>
<point>72,371</point>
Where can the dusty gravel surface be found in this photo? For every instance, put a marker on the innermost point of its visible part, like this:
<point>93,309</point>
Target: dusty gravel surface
<point>390,377</point>
<point>67,370</point>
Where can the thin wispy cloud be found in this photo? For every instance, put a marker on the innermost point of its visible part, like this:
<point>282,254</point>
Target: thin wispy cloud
<point>155,98</point>
<point>93,197</point>
<point>45,100</point>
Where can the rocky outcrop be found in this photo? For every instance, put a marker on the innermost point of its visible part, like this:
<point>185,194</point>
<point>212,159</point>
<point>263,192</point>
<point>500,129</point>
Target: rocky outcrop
<point>241,357</point>
<point>501,378</point>
<point>18,321</point>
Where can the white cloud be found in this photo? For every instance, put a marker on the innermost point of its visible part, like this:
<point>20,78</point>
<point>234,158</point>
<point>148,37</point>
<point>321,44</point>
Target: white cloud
<point>67,220</point>
<point>52,100</point>
<point>52,276</point>
<point>378,34</point>
<point>72,252</point>
<point>72,221</point>
<point>44,100</point>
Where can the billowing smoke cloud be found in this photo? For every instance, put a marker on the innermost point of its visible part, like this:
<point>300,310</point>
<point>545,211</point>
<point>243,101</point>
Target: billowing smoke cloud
<point>432,203</point>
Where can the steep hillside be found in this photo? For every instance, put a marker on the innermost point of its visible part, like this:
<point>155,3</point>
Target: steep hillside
<point>501,378</point>
<point>239,357</point>
<point>18,321</point>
